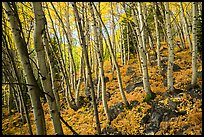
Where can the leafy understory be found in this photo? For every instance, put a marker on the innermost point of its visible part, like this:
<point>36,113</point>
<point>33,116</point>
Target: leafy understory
<point>168,114</point>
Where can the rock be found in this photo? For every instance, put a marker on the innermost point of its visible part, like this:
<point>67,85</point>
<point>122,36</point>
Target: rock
<point>111,131</point>
<point>136,79</point>
<point>129,71</point>
<point>106,79</point>
<point>148,132</point>
<point>155,119</point>
<point>114,78</point>
<point>134,103</point>
<point>108,95</point>
<point>130,87</point>
<point>178,133</point>
<point>177,91</point>
<point>145,119</point>
<point>116,110</point>
<point>176,67</point>
<point>184,112</point>
<point>186,127</point>
<point>172,105</point>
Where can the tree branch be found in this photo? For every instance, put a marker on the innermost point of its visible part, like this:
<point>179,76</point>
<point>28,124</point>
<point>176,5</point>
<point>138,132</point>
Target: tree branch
<point>73,131</point>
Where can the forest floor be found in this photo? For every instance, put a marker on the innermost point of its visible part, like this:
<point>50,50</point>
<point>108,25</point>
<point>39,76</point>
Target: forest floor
<point>168,114</point>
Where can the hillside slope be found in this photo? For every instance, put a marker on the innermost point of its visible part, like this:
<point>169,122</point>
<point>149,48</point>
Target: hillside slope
<point>177,113</point>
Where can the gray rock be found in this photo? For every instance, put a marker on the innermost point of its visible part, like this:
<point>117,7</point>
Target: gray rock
<point>136,79</point>
<point>116,110</point>
<point>111,131</point>
<point>175,67</point>
<point>129,71</point>
<point>130,87</point>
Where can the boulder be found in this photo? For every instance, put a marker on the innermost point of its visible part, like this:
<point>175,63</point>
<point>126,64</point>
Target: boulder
<point>116,110</point>
<point>111,131</point>
<point>129,71</point>
<point>130,87</point>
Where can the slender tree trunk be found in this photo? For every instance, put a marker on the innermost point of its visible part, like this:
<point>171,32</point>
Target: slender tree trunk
<point>39,30</point>
<point>121,44</point>
<point>128,45</point>
<point>157,37</point>
<point>142,29</point>
<point>194,48</point>
<point>34,90</point>
<point>72,66</point>
<point>114,61</point>
<point>104,101</point>
<point>22,104</point>
<point>185,26</point>
<point>143,59</point>
<point>170,85</point>
<point>79,80</point>
<point>62,64</point>
<point>84,46</point>
<point>52,71</point>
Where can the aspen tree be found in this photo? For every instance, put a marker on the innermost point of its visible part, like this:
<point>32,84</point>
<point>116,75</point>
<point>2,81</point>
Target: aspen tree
<point>104,101</point>
<point>39,31</point>
<point>142,29</point>
<point>157,36</point>
<point>183,18</point>
<point>84,46</point>
<point>143,59</point>
<point>114,60</point>
<point>12,58</point>
<point>170,85</point>
<point>34,91</point>
<point>194,47</point>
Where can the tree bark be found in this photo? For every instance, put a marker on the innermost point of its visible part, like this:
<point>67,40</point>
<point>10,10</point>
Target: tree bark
<point>84,46</point>
<point>39,31</point>
<point>34,91</point>
<point>114,61</point>
<point>157,37</point>
<point>185,25</point>
<point>170,85</point>
<point>104,100</point>
<point>194,48</point>
<point>143,59</point>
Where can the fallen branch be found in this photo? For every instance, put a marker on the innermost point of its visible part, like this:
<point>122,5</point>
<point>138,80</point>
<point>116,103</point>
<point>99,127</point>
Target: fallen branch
<point>74,132</point>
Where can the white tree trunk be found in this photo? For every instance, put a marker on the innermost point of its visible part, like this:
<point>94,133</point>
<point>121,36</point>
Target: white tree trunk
<point>185,26</point>
<point>142,29</point>
<point>34,91</point>
<point>143,58</point>
<point>39,30</point>
<point>114,61</point>
<point>84,46</point>
<point>170,49</point>
<point>104,100</point>
<point>157,37</point>
<point>194,48</point>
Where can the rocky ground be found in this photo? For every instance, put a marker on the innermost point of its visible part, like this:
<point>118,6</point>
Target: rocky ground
<point>177,113</point>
